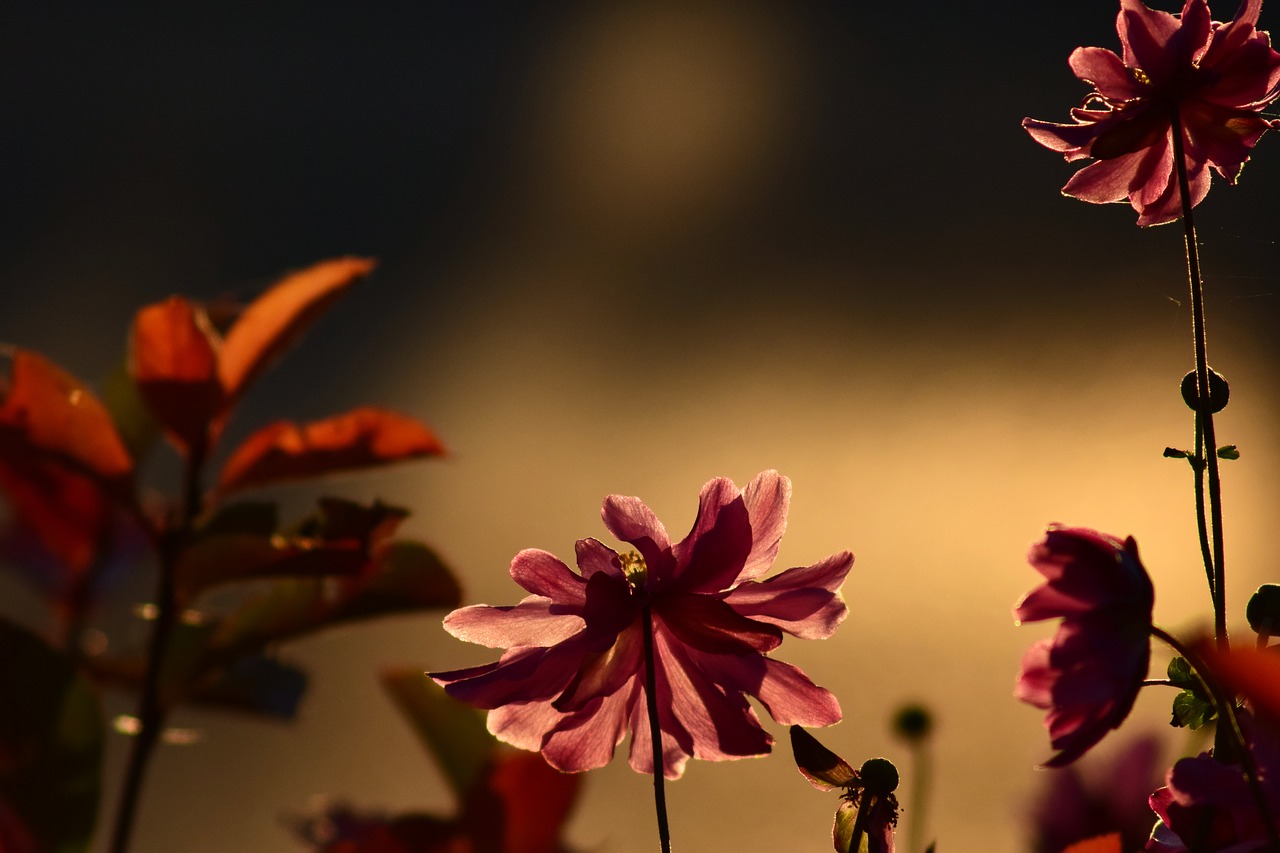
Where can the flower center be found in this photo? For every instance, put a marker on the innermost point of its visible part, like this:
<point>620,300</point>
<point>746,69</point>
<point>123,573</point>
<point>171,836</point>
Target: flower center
<point>634,569</point>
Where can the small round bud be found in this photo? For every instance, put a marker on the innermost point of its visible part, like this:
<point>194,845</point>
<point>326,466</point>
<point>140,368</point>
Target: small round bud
<point>913,723</point>
<point>1263,611</point>
<point>879,776</point>
<point>1219,393</point>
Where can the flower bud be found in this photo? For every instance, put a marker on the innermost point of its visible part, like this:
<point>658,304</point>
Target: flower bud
<point>1219,393</point>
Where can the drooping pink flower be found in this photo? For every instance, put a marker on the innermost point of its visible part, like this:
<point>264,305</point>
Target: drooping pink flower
<point>1214,77</point>
<point>1088,674</point>
<point>572,681</point>
<point>1202,788</point>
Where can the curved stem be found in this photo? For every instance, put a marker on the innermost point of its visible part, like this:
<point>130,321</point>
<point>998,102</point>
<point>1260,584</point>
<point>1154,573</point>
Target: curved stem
<point>1224,703</point>
<point>151,705</point>
<point>1204,418</point>
<point>1202,527</point>
<point>655,731</point>
<point>860,822</point>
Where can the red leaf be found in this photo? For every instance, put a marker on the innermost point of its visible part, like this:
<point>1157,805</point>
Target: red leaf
<point>277,317</point>
<point>174,361</point>
<point>1101,844</point>
<point>358,439</point>
<point>48,413</point>
<point>67,513</point>
<point>536,798</point>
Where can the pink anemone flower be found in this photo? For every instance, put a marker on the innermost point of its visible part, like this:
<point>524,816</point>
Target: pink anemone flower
<point>571,683</point>
<point>1089,673</point>
<point>1212,78</point>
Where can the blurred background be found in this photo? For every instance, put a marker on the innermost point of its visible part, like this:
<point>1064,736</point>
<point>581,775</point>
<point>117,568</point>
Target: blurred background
<point>628,247</point>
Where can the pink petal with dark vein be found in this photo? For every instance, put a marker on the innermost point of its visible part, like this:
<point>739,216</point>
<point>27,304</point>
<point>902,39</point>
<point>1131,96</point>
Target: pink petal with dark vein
<point>520,675</point>
<point>714,552</point>
<point>629,520</point>
<point>784,690</point>
<point>532,622</point>
<point>587,739</point>
<point>1103,69</point>
<point>524,724</point>
<point>605,673</point>
<point>802,601</point>
<point>1105,181</point>
<point>722,725</point>
<point>543,573</point>
<point>767,498</point>
<point>1063,138</point>
<point>1145,35</point>
<point>594,556</point>
<point>677,746</point>
<point>710,625</point>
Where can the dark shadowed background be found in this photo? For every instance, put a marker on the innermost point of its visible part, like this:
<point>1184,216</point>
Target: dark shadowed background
<point>628,247</point>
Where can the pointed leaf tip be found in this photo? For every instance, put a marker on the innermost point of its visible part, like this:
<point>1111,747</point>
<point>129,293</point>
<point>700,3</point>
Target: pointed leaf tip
<point>276,318</point>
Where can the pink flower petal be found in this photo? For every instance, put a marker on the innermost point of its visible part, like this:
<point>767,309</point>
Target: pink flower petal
<point>521,675</point>
<point>1105,181</point>
<point>594,556</point>
<point>677,745</point>
<point>767,498</point>
<point>802,601</point>
<point>631,521</point>
<point>587,738</point>
<point>605,673</point>
<point>721,725</point>
<point>524,724</point>
<point>709,624</point>
<point>1103,69</point>
<point>784,690</point>
<point>1145,35</point>
<point>529,623</point>
<point>712,556</point>
<point>542,573</point>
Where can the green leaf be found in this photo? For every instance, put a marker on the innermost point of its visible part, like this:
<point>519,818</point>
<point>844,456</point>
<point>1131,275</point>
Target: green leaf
<point>51,738</point>
<point>1191,711</point>
<point>453,732</point>
<point>1229,451</point>
<point>822,767</point>
<point>1181,673</point>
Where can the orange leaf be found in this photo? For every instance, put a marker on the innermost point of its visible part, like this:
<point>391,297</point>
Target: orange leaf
<point>174,361</point>
<point>46,411</point>
<point>277,317</point>
<point>358,439</point>
<point>1251,672</point>
<point>1101,844</point>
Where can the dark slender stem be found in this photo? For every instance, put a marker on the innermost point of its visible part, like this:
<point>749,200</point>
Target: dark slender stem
<point>151,706</point>
<point>1202,527</point>
<point>860,821</point>
<point>655,731</point>
<point>1224,703</point>
<point>1204,418</point>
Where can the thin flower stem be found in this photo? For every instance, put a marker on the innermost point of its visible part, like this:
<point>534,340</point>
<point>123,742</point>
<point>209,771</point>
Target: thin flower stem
<point>921,781</point>
<point>151,707</point>
<point>1224,703</point>
<point>1204,418</point>
<point>655,731</point>
<point>1206,551</point>
<point>860,822</point>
